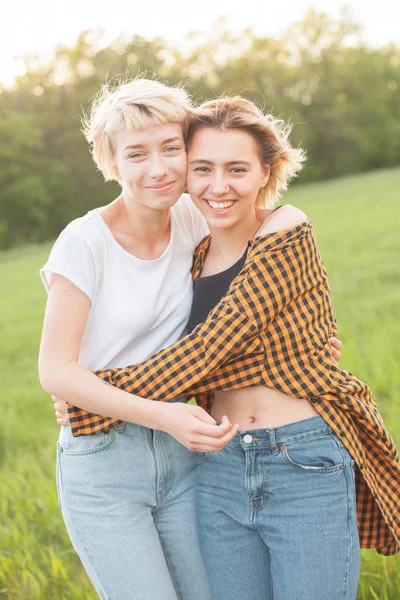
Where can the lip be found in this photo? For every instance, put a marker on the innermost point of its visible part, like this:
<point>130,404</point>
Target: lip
<point>220,211</point>
<point>164,187</point>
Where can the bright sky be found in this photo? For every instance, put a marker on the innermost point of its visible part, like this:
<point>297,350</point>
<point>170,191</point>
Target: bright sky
<point>37,27</point>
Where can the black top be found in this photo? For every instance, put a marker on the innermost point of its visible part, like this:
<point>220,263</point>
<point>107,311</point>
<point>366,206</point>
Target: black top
<point>208,291</point>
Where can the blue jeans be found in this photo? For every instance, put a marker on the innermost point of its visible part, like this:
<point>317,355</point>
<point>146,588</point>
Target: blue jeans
<point>127,498</point>
<point>276,515</point>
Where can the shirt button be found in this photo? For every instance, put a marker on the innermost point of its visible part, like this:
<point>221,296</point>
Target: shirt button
<point>247,438</point>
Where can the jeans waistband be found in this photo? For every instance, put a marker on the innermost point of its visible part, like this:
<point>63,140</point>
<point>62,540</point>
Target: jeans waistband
<point>271,438</point>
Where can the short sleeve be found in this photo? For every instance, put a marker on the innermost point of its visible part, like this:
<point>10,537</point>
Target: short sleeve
<point>194,220</point>
<point>200,226</point>
<point>72,258</point>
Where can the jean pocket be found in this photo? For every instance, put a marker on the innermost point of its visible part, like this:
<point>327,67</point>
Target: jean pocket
<point>353,490</point>
<point>314,455</point>
<point>85,444</point>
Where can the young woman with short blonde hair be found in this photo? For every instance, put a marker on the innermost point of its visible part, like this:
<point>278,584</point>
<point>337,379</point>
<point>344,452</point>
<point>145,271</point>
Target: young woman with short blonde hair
<point>119,288</point>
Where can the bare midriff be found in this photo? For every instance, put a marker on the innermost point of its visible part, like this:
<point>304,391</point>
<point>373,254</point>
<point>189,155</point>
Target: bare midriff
<point>260,408</point>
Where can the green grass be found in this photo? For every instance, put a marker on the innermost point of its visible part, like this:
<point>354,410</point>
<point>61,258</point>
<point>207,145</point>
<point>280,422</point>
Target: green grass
<point>357,222</point>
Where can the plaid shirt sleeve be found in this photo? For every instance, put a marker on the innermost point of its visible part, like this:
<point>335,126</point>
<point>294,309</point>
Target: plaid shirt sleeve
<point>272,277</point>
<point>176,369</point>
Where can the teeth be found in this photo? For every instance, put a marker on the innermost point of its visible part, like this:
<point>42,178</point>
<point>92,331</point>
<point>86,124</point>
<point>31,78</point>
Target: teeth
<point>220,205</point>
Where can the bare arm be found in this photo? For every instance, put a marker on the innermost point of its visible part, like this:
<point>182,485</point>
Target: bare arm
<point>61,375</point>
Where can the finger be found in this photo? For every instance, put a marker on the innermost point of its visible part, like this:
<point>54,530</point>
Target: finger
<point>62,415</point>
<point>204,416</point>
<point>54,398</point>
<point>212,448</point>
<point>230,435</point>
<point>61,406</point>
<point>335,343</point>
<point>336,354</point>
<point>212,431</point>
<point>207,444</point>
<point>62,422</point>
<point>225,422</point>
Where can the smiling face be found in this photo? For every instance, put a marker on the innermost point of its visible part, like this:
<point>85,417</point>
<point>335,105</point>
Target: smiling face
<point>150,165</point>
<point>224,176</point>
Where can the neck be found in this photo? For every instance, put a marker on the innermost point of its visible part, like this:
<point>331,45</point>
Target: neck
<point>230,243</point>
<point>146,225</point>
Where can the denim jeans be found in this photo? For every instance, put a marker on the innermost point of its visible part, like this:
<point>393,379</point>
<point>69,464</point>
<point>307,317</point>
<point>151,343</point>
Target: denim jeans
<point>127,498</point>
<point>276,515</point>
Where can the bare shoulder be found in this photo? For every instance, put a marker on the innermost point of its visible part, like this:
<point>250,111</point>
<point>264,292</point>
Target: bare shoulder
<point>286,217</point>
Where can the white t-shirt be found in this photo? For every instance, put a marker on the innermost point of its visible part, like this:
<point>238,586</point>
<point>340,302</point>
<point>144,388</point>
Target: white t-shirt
<point>137,306</point>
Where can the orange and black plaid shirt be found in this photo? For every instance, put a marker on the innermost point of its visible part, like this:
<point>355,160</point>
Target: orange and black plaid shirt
<point>272,329</point>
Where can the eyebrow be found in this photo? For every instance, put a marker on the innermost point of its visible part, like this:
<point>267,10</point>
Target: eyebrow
<point>227,164</point>
<point>167,141</point>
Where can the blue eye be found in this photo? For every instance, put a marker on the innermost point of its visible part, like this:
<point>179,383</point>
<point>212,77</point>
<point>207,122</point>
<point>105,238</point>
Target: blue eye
<point>171,149</point>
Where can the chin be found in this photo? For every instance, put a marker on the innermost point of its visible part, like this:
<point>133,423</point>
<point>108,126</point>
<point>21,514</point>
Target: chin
<point>167,202</point>
<point>221,223</point>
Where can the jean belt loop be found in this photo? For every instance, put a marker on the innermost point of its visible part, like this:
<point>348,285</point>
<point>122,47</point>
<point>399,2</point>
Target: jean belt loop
<point>272,441</point>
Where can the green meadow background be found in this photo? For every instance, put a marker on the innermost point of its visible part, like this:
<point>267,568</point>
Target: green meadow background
<point>357,222</point>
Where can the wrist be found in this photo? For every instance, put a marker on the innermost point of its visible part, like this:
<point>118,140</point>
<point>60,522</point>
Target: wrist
<point>162,416</point>
<point>146,413</point>
<point>156,415</point>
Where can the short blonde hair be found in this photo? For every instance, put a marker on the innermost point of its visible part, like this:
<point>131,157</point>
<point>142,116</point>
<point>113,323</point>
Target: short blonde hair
<point>271,136</point>
<point>133,105</point>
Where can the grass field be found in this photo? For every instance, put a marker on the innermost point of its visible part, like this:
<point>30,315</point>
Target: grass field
<point>357,222</point>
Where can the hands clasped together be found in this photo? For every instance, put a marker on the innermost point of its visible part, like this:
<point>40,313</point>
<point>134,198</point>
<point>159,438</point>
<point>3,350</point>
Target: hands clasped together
<point>191,425</point>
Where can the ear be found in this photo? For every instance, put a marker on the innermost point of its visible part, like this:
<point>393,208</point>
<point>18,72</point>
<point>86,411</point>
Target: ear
<point>266,169</point>
<point>116,172</point>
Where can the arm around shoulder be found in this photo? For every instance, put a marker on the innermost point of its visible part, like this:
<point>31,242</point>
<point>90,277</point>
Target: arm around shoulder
<point>286,217</point>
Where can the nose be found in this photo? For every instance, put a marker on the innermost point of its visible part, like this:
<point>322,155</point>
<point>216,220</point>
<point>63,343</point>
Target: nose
<point>218,186</point>
<point>157,168</point>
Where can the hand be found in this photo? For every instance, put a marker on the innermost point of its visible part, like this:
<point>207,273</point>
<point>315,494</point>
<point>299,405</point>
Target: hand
<point>335,350</point>
<point>193,427</point>
<point>61,411</point>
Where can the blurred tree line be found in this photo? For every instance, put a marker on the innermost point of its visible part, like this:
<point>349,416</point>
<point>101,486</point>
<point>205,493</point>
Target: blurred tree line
<point>342,96</point>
